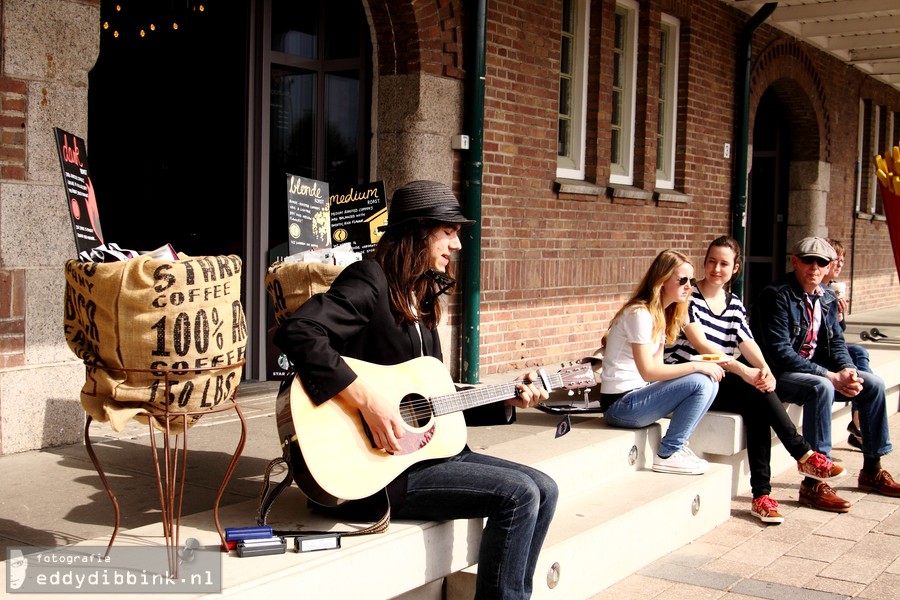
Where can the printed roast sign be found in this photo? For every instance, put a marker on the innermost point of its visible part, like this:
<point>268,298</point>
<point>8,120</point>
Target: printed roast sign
<point>79,191</point>
<point>319,220</point>
<point>356,214</point>
<point>308,224</point>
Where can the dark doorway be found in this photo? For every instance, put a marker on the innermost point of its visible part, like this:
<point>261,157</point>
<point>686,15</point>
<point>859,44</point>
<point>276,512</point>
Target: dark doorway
<point>176,156</point>
<point>166,122</point>
<point>767,197</point>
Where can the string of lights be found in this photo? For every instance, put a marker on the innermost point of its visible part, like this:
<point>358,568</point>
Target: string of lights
<point>140,19</point>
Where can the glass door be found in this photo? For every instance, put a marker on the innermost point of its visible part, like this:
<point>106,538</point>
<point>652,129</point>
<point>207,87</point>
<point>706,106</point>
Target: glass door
<point>317,96</point>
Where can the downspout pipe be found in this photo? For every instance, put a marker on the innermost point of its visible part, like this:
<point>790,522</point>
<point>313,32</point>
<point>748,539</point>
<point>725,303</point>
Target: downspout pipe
<point>472,175</point>
<point>742,143</point>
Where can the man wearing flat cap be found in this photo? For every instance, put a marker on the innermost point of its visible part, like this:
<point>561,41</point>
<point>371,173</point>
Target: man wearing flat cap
<point>795,322</point>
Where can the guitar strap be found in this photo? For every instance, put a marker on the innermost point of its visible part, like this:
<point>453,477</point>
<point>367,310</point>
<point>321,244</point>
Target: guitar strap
<point>268,494</point>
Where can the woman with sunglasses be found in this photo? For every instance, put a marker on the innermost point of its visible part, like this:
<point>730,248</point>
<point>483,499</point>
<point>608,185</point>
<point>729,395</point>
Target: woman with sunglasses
<point>718,323</point>
<point>637,388</point>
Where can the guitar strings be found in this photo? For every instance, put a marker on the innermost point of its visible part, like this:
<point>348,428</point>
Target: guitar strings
<point>470,397</point>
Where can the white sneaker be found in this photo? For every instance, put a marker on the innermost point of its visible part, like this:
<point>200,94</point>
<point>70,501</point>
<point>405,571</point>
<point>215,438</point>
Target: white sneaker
<point>687,450</point>
<point>683,462</point>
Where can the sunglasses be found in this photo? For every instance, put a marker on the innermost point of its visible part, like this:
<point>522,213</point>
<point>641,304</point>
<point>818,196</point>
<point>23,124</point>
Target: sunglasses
<point>684,280</point>
<point>808,260</point>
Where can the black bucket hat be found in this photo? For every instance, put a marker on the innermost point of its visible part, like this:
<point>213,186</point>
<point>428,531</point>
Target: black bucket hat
<point>424,200</point>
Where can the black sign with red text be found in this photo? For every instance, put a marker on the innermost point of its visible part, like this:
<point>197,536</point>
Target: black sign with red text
<point>79,191</point>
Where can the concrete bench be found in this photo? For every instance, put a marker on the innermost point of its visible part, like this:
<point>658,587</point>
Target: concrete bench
<point>609,498</point>
<point>720,436</point>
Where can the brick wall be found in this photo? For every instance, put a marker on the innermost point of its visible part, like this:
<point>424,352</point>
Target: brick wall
<point>419,37</point>
<point>555,266</point>
<point>12,167</point>
<point>12,129</point>
<point>12,318</point>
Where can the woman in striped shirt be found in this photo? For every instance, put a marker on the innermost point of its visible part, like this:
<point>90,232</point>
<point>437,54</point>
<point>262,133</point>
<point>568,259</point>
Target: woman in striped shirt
<point>717,323</point>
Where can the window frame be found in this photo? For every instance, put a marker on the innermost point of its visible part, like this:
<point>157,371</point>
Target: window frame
<point>667,127</point>
<point>860,154</point>
<point>873,125</point>
<point>867,147</point>
<point>571,166</point>
<point>623,172</point>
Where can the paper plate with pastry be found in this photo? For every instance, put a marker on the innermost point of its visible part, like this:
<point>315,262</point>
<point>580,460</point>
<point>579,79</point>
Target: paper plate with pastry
<point>717,357</point>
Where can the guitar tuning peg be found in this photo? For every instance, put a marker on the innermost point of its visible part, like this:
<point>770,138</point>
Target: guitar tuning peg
<point>570,393</point>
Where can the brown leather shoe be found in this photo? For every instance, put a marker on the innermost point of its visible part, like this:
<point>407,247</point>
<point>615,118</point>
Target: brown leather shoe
<point>821,496</point>
<point>880,482</point>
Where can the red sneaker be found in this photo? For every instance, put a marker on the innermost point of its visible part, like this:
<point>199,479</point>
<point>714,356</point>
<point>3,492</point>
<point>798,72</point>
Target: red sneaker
<point>818,466</point>
<point>766,509</point>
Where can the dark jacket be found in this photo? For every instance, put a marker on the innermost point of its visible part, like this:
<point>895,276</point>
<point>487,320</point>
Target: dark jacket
<point>780,323</point>
<point>353,318</point>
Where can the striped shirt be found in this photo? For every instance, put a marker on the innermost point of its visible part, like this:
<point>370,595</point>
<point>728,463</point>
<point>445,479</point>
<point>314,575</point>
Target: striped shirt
<point>726,330</point>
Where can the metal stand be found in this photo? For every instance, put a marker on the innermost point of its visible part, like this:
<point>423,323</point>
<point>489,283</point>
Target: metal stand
<point>170,478</point>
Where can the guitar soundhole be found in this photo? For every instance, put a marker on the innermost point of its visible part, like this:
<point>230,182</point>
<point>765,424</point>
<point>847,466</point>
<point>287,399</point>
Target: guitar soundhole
<point>415,410</point>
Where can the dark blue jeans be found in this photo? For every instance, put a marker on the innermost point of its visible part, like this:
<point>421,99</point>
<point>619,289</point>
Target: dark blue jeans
<point>816,395</point>
<point>860,357</point>
<point>517,501</point>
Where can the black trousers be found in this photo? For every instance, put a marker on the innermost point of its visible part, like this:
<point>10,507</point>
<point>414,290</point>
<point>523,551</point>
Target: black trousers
<point>762,414</point>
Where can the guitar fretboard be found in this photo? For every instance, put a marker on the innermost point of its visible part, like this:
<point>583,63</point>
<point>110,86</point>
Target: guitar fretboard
<point>442,405</point>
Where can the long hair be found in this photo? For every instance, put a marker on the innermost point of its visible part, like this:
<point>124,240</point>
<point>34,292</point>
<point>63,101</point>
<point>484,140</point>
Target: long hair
<point>402,253</point>
<point>726,241</point>
<point>648,294</point>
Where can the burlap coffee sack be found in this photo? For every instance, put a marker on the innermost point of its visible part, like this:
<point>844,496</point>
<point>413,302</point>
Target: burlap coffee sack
<point>156,318</point>
<point>291,284</point>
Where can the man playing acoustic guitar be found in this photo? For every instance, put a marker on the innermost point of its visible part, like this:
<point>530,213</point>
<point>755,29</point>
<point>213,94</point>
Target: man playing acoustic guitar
<point>382,314</point>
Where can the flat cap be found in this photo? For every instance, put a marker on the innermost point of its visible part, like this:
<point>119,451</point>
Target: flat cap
<point>814,246</point>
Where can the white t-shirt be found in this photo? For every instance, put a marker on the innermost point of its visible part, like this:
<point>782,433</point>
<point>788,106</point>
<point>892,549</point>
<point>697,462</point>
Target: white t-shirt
<point>620,373</point>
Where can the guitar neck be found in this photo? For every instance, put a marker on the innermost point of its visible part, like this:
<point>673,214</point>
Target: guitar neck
<point>449,403</point>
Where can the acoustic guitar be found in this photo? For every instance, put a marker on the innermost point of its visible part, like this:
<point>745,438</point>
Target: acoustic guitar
<point>338,460</point>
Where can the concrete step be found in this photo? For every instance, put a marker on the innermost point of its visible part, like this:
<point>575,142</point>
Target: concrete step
<point>606,532</point>
<point>614,517</point>
<point>607,492</point>
<point>610,506</point>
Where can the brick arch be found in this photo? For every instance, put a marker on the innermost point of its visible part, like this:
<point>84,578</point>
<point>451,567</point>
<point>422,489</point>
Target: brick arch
<point>411,37</point>
<point>785,67</point>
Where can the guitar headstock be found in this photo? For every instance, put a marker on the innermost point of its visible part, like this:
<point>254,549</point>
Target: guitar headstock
<point>577,376</point>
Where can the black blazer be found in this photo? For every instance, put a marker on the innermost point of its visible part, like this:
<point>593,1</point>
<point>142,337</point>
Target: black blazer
<point>353,318</point>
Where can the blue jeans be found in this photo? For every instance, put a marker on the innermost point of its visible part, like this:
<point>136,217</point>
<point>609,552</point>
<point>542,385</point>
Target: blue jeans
<point>860,357</point>
<point>816,395</point>
<point>517,500</point>
<point>686,398</point>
